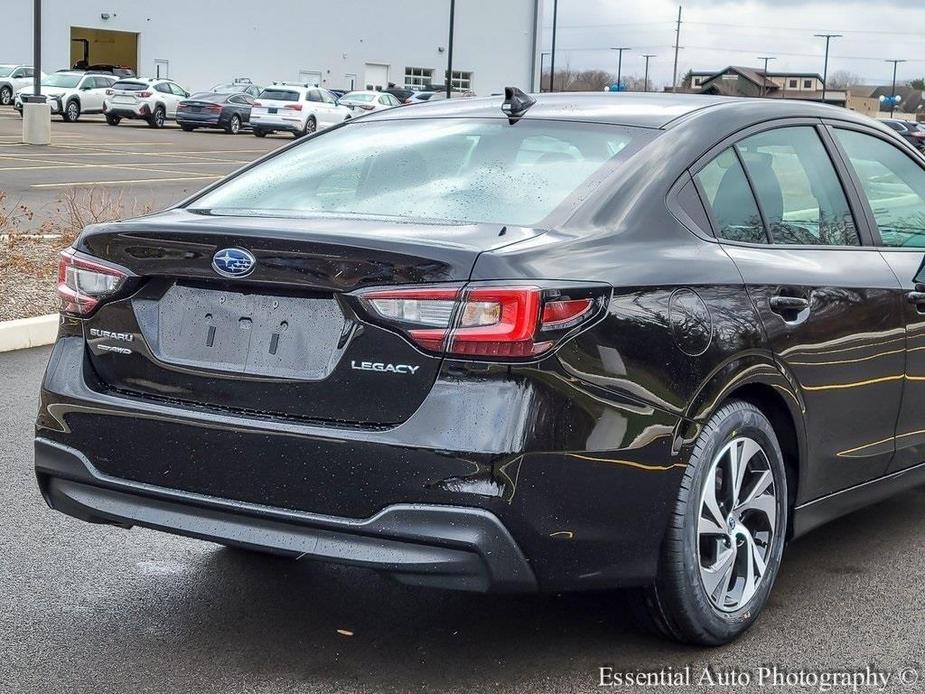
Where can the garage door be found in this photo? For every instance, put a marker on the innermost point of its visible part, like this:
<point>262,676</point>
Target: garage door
<point>104,47</point>
<point>377,75</point>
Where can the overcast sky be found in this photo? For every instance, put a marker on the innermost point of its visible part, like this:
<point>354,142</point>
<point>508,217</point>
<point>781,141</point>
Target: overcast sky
<point>717,33</point>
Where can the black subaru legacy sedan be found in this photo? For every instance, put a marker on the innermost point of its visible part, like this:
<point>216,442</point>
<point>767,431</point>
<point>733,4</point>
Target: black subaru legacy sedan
<point>563,342</point>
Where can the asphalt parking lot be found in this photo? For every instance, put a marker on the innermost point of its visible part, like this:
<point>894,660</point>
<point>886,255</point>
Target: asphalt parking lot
<point>97,609</point>
<point>145,169</point>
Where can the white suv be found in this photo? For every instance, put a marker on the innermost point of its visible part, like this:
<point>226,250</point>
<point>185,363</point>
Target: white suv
<point>149,99</point>
<point>12,79</point>
<point>296,108</point>
<point>70,93</point>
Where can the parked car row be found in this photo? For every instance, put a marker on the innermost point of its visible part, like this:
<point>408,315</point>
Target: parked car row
<point>296,108</point>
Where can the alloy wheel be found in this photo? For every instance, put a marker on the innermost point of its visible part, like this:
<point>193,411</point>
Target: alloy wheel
<point>235,125</point>
<point>737,524</point>
<point>73,112</point>
<point>6,96</point>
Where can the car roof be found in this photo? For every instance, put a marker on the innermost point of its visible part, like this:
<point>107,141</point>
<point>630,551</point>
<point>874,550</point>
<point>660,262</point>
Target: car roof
<point>640,109</point>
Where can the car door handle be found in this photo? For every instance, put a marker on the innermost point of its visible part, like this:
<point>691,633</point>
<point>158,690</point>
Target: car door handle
<point>915,297</point>
<point>788,303</point>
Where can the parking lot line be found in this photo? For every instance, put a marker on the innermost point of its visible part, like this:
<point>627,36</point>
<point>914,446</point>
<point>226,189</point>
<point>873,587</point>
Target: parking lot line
<point>84,184</point>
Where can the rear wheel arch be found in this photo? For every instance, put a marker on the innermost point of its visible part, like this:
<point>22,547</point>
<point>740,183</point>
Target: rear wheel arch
<point>791,436</point>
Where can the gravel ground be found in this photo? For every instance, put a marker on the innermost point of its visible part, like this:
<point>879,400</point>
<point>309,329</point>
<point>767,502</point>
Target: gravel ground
<point>29,290</point>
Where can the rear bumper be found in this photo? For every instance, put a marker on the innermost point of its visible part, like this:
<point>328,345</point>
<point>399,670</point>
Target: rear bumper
<point>440,546</point>
<point>127,112</point>
<point>271,124</point>
<point>583,493</point>
<point>202,121</point>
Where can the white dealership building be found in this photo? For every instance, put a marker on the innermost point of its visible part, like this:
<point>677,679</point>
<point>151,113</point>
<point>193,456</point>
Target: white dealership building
<point>340,45</point>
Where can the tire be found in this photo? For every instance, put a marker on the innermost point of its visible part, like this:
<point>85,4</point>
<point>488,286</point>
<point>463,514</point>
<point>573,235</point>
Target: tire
<point>259,133</point>
<point>311,126</point>
<point>157,118</point>
<point>234,126</point>
<point>71,111</point>
<point>680,603</point>
<point>113,120</point>
<point>6,96</point>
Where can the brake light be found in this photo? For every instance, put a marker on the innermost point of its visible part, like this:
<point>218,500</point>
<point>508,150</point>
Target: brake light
<point>215,108</point>
<point>257,104</point>
<point>293,107</point>
<point>83,283</point>
<point>918,133</point>
<point>144,95</point>
<point>486,321</point>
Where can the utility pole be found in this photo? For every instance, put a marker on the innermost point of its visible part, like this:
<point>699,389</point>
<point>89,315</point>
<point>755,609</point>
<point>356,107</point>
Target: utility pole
<point>677,47</point>
<point>766,59</point>
<point>893,90</point>
<point>552,57</point>
<point>449,57</point>
<point>825,67</point>
<point>620,64</point>
<point>645,82</point>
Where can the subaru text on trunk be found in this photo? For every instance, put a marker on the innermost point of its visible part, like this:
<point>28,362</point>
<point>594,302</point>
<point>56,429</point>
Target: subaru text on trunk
<point>570,342</point>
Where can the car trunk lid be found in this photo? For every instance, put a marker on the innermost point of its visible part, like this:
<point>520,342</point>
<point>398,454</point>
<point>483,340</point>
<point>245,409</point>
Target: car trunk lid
<point>287,338</point>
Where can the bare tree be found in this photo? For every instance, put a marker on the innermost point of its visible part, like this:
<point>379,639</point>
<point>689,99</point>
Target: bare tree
<point>569,80</point>
<point>843,79</point>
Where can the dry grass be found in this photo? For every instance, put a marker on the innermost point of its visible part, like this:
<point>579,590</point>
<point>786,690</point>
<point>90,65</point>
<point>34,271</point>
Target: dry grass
<point>29,253</point>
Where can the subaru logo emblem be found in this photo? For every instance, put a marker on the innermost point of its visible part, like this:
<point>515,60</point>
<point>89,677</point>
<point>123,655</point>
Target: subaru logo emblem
<point>233,262</point>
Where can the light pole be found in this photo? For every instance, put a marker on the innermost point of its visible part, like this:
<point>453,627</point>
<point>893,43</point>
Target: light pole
<point>825,66</point>
<point>766,59</point>
<point>552,55</point>
<point>36,117</point>
<point>449,57</point>
<point>645,82</point>
<point>620,64</point>
<point>893,90</point>
<point>542,63</point>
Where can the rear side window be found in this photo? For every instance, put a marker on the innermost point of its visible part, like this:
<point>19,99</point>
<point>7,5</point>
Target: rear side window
<point>730,199</point>
<point>279,95</point>
<point>314,95</point>
<point>893,184</point>
<point>797,188</point>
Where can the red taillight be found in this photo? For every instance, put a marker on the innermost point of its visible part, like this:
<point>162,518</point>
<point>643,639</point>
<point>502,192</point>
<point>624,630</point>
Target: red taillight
<point>918,133</point>
<point>366,107</point>
<point>214,108</point>
<point>293,107</point>
<point>561,314</point>
<point>82,283</point>
<point>495,322</point>
<point>257,104</point>
<point>144,95</point>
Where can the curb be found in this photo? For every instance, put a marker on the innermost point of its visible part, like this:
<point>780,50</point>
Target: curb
<point>28,332</point>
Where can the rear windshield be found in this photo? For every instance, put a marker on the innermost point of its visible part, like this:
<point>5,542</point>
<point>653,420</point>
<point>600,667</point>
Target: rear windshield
<point>279,95</point>
<point>357,98</point>
<point>473,170</point>
<point>6,70</point>
<point>130,86</point>
<point>215,98</point>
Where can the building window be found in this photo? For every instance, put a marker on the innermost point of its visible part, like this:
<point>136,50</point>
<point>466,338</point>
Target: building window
<point>793,84</point>
<point>807,84</point>
<point>462,81</point>
<point>419,77</point>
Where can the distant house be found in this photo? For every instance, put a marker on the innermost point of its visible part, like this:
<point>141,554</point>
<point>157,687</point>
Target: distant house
<point>754,82</point>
